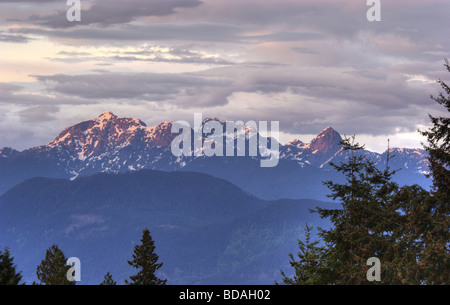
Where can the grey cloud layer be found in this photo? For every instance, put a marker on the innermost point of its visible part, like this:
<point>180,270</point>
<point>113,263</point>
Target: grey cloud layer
<point>28,1</point>
<point>13,38</point>
<point>152,87</point>
<point>115,12</point>
<point>315,63</point>
<point>317,96</point>
<point>153,32</point>
<point>344,19</point>
<point>12,94</point>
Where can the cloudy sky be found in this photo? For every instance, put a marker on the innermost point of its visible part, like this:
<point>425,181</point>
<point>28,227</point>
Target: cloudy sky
<point>308,64</point>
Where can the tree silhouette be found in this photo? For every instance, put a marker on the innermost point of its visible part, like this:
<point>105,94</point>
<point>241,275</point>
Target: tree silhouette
<point>406,228</point>
<point>108,280</point>
<point>53,269</point>
<point>8,272</point>
<point>435,226</point>
<point>310,267</point>
<point>146,261</point>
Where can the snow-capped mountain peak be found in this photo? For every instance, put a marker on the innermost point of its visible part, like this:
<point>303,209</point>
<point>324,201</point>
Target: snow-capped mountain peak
<point>109,143</point>
<point>98,134</point>
<point>296,143</point>
<point>6,152</point>
<point>318,151</point>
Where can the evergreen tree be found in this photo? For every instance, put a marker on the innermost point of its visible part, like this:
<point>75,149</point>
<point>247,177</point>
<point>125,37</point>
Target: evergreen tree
<point>53,269</point>
<point>108,280</point>
<point>406,228</point>
<point>146,261</point>
<point>310,269</point>
<point>8,272</point>
<point>414,206</point>
<point>364,226</point>
<point>436,221</point>
<point>397,225</point>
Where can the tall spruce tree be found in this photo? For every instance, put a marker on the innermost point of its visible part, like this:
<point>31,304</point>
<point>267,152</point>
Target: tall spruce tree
<point>365,224</point>
<point>407,228</point>
<point>398,225</point>
<point>413,204</point>
<point>146,261</point>
<point>8,272</point>
<point>53,269</point>
<point>435,236</point>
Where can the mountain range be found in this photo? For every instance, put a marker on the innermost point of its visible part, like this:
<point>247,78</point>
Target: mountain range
<point>206,230</point>
<point>215,220</point>
<point>111,144</point>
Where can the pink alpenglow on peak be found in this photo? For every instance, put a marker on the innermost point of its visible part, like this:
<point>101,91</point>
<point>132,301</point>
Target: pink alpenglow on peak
<point>327,140</point>
<point>107,115</point>
<point>296,142</point>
